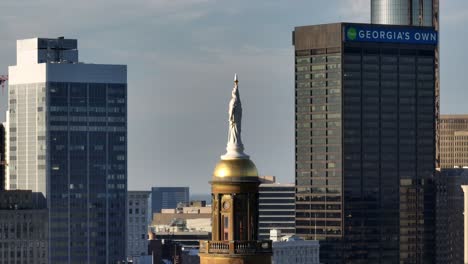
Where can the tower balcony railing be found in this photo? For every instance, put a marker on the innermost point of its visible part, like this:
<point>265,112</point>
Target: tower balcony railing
<point>235,247</point>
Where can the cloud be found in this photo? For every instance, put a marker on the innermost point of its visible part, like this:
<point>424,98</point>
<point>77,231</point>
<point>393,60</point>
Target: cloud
<point>354,10</point>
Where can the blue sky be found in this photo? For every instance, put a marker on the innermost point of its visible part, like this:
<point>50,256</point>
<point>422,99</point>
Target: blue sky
<point>181,57</point>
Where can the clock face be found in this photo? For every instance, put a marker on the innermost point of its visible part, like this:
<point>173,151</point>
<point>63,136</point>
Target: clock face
<point>226,205</point>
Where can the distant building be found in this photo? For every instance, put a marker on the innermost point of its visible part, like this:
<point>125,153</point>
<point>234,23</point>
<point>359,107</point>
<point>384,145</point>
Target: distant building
<point>185,225</point>
<point>449,215</point>
<point>294,250</point>
<point>453,141</point>
<point>168,197</point>
<point>138,220</point>
<point>23,228</point>
<point>188,240</point>
<point>164,218</point>
<point>68,140</point>
<point>276,209</point>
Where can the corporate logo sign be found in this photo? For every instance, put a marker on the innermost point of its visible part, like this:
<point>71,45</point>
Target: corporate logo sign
<point>391,34</point>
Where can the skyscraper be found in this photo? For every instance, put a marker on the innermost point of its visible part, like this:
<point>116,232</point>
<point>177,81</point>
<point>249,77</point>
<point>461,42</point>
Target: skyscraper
<point>365,141</point>
<point>453,141</point>
<point>168,197</point>
<point>423,13</point>
<point>449,217</point>
<point>68,140</point>
<point>405,12</point>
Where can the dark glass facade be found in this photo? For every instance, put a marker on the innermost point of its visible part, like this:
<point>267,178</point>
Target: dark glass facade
<point>88,172</point>
<point>168,197</point>
<point>449,212</point>
<point>365,147</point>
<point>69,141</point>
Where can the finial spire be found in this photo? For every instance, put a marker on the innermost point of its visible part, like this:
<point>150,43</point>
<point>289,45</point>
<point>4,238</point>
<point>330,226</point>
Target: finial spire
<point>235,148</point>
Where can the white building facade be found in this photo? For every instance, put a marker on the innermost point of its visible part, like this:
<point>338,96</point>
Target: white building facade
<point>293,250</point>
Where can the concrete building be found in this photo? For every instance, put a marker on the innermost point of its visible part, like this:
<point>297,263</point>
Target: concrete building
<point>276,209</point>
<point>68,140</point>
<point>185,225</point>
<point>289,249</point>
<point>23,228</point>
<point>453,141</point>
<point>138,221</point>
<point>190,215</point>
<point>168,197</point>
<point>365,141</point>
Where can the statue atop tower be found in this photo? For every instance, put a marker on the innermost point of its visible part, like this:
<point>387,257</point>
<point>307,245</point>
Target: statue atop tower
<point>235,148</point>
<point>234,194</point>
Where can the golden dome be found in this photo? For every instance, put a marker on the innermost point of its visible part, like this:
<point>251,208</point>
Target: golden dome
<point>235,168</point>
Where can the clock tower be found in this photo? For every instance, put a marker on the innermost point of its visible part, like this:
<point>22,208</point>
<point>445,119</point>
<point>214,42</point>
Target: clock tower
<point>234,191</point>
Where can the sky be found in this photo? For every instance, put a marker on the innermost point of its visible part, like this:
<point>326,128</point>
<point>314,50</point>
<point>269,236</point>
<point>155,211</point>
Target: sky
<point>182,56</point>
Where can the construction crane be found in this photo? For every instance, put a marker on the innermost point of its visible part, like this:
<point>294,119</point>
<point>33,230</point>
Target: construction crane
<point>3,79</point>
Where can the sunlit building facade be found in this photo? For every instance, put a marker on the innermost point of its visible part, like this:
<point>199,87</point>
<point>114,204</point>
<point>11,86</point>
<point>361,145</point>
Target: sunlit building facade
<point>68,141</point>
<point>453,141</point>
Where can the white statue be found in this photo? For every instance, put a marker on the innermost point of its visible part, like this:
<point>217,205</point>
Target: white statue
<point>235,148</point>
<point>235,115</point>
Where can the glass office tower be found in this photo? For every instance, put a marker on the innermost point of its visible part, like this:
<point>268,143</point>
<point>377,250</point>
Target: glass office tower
<point>404,12</point>
<point>365,141</point>
<point>68,140</point>
<point>168,197</point>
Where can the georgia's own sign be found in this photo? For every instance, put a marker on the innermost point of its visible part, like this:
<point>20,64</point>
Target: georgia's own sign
<point>414,35</point>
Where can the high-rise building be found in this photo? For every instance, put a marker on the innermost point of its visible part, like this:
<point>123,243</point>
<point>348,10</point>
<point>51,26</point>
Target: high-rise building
<point>365,141</point>
<point>276,209</point>
<point>453,130</point>
<point>234,191</point>
<point>413,13</point>
<point>449,215</point>
<point>23,227</point>
<point>68,140</point>
<point>405,12</point>
<point>168,197</point>
<point>138,219</point>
